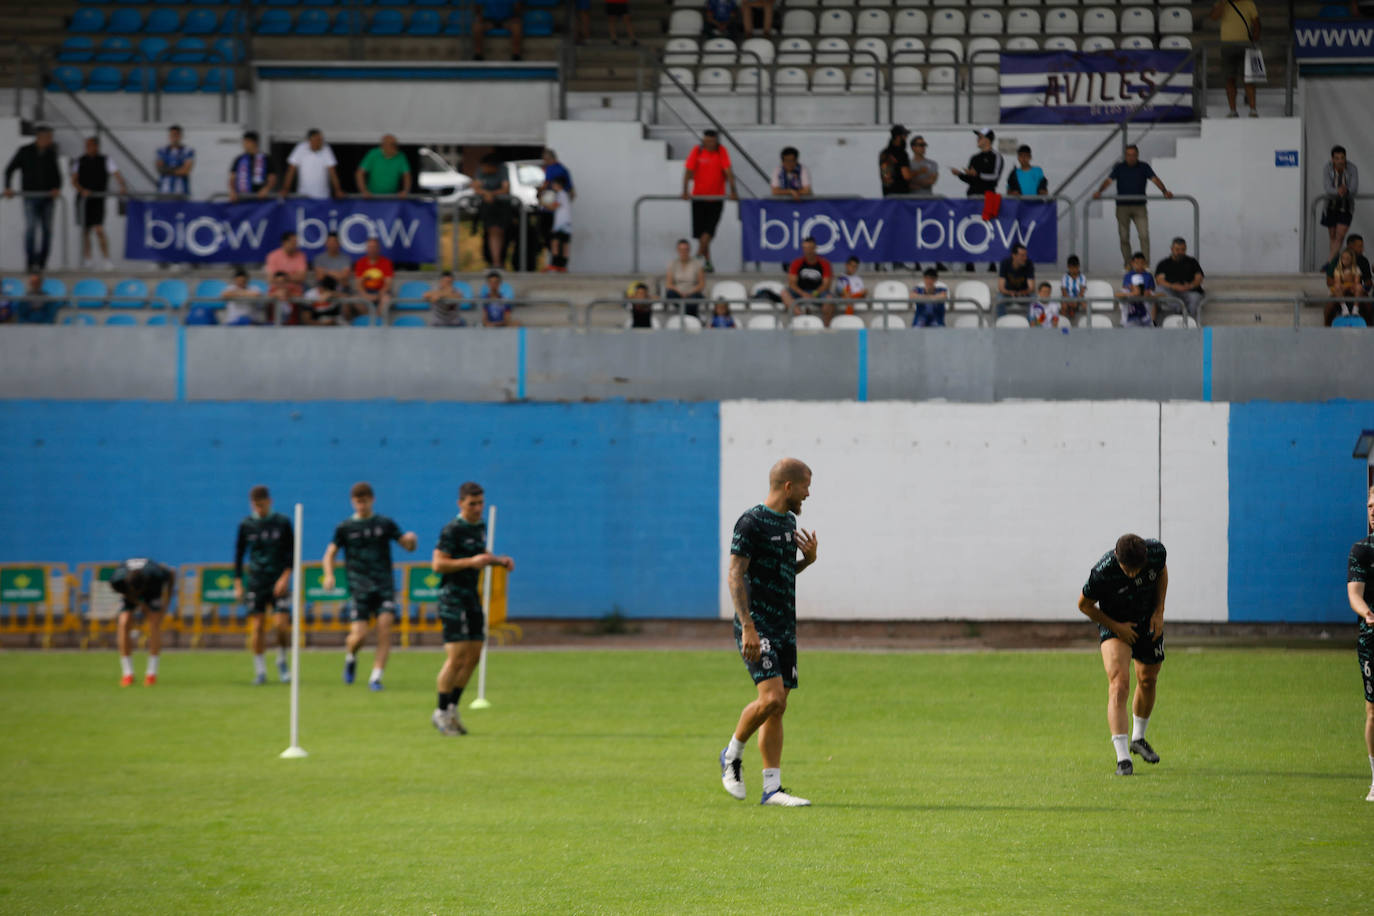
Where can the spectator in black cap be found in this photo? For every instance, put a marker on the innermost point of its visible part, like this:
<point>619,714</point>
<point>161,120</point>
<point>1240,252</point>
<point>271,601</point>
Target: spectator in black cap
<point>894,165</point>
<point>983,172</point>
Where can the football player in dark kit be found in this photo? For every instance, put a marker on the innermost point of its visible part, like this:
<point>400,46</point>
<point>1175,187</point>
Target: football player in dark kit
<point>1360,572</point>
<point>147,589</point>
<point>365,539</point>
<point>267,539</point>
<point>459,557</point>
<point>1124,596</point>
<point>763,572</point>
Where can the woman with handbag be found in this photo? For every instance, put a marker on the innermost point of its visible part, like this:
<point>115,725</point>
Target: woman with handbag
<point>1240,29</point>
<point>1340,184</point>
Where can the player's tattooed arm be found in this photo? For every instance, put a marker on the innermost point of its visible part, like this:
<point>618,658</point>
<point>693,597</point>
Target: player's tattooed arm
<point>750,647</point>
<point>806,543</point>
<point>1358,603</point>
<point>1157,618</point>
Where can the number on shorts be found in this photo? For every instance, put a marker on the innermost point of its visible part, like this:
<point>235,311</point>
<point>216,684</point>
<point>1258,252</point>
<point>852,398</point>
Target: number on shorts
<point>1366,668</point>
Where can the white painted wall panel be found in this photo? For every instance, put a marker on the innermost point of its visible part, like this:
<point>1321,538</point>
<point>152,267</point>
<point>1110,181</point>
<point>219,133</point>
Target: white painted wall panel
<point>1195,509</point>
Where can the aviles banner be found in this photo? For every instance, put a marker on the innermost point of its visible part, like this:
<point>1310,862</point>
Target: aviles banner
<point>1328,41</point>
<point>898,230</point>
<point>1067,87</point>
<point>240,233</point>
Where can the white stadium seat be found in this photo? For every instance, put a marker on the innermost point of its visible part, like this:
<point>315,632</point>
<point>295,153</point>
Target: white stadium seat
<point>832,51</point>
<point>888,323</point>
<point>1099,21</point>
<point>976,290</point>
<point>963,320</point>
<point>794,51</point>
<point>892,291</point>
<point>873,22</point>
<point>1137,43</point>
<point>749,77</point>
<point>762,50</point>
<point>952,45</point>
<point>902,4</point>
<point>985,76</point>
<point>983,51</point>
<point>718,52</point>
<point>906,80</point>
<point>680,51</point>
<point>731,291</point>
<point>792,79</point>
<point>1101,296</point>
<point>836,22</point>
<point>828,81</point>
<point>942,78</point>
<point>846,323</point>
<point>862,79</point>
<point>684,75</point>
<point>1097,43</point>
<point>1137,21</point>
<point>985,22</point>
<point>908,50</point>
<point>1061,22</point>
<point>715,80</point>
<point>1060,43</point>
<point>1096,321</point>
<point>880,3</point>
<point>910,22</point>
<point>806,323</point>
<point>1175,43</point>
<point>1023,22</point>
<point>798,22</point>
<point>870,45</point>
<point>1022,43</point>
<point>685,22</point>
<point>841,4</point>
<point>1023,2</point>
<point>1176,20</point>
<point>1177,321</point>
<point>761,323</point>
<point>1012,321</point>
<point>948,22</point>
<point>679,322</point>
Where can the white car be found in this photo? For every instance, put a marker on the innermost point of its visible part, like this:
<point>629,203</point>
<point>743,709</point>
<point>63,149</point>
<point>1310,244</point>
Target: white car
<point>443,181</point>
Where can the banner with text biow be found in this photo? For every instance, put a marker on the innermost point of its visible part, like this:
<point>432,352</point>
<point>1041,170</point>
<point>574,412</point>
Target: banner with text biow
<point>1068,87</point>
<point>244,233</point>
<point>936,229</point>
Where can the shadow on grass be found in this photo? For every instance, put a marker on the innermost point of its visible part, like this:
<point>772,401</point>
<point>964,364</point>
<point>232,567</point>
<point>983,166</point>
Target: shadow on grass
<point>1027,809</point>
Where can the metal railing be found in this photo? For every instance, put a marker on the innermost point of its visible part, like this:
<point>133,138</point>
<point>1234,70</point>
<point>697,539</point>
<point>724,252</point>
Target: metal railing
<point>1298,301</point>
<point>23,51</point>
<point>1314,259</point>
<point>1141,199</point>
<point>165,58</point>
<point>58,225</point>
<point>1290,82</point>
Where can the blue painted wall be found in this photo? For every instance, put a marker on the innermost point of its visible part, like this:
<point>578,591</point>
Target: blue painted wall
<point>602,505</point>
<point>1297,504</point>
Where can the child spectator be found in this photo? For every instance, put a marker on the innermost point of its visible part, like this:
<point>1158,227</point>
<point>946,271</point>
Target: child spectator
<point>850,285</point>
<point>722,318</point>
<point>1345,280</point>
<point>641,309</point>
<point>1072,289</point>
<point>283,298</point>
<point>930,297</point>
<point>495,308</point>
<point>560,240</point>
<point>243,304</point>
<point>444,302</point>
<point>321,304</point>
<point>1137,286</point>
<point>1044,312</point>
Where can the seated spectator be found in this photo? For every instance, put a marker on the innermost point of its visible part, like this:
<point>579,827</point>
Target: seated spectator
<point>1345,280</point>
<point>721,19</point>
<point>33,307</point>
<point>495,210</point>
<point>747,10</point>
<point>810,277</point>
<point>375,275</point>
<point>1072,289</point>
<point>791,178</point>
<point>322,304</point>
<point>243,304</point>
<point>931,298</point>
<point>1044,311</point>
<point>686,278</point>
<point>495,308</point>
<point>1355,242</point>
<point>289,259</point>
<point>498,14</point>
<point>1137,289</point>
<point>620,9</point>
<point>721,317</point>
<point>283,300</point>
<point>850,285</point>
<point>444,302</point>
<point>332,262</point>
<point>1027,180</point>
<point>1015,276</point>
<point>641,309</point>
<point>1180,275</point>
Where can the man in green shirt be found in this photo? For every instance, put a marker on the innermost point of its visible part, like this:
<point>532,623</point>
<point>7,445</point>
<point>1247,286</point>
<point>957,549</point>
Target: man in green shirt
<point>384,170</point>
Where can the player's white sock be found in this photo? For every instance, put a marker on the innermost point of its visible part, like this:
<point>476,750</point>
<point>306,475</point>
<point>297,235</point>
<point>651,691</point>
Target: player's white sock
<point>1138,727</point>
<point>1371,770</point>
<point>772,780</point>
<point>259,664</point>
<point>281,655</point>
<point>126,667</point>
<point>376,675</point>
<point>1123,747</point>
<point>152,664</point>
<point>736,749</point>
<point>350,657</point>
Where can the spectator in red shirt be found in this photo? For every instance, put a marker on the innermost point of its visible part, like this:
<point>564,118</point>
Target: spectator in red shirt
<point>375,273</point>
<point>289,260</point>
<point>708,169</point>
<point>809,278</point>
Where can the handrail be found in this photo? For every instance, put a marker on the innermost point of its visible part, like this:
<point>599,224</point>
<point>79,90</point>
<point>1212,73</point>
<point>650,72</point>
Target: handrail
<point>1314,263</point>
<point>101,128</point>
<point>1141,199</point>
<point>36,57</point>
<point>1290,68</point>
<point>1298,301</point>
<point>634,218</point>
<point>873,305</point>
<point>720,128</point>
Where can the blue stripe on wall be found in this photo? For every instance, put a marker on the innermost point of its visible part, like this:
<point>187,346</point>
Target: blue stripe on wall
<point>602,505</point>
<point>1297,504</point>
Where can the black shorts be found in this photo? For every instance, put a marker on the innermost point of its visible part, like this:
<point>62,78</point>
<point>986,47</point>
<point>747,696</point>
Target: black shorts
<point>367,608</point>
<point>498,214</point>
<point>1233,57</point>
<point>706,217</point>
<point>1337,216</point>
<point>777,658</point>
<point>93,212</point>
<point>617,9</point>
<point>258,598</point>
<point>134,606</point>
<point>1365,652</point>
<point>463,621</point>
<point>1146,650</point>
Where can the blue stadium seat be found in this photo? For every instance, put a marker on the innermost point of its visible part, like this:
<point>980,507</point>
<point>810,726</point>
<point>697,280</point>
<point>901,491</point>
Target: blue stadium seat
<point>274,22</point>
<point>227,51</point>
<point>124,22</point>
<point>464,290</point>
<point>76,49</point>
<point>231,23</point>
<point>90,294</point>
<point>95,2</point>
<point>424,23</point>
<point>538,23</point>
<point>11,286</point>
<point>218,79</point>
<point>386,22</point>
<point>170,2</point>
<point>205,2</point>
<point>115,50</point>
<point>188,51</point>
<point>312,22</point>
<point>171,292</point>
<point>78,319</point>
<point>54,287</point>
<point>362,321</point>
<point>126,320</point>
<point>391,2</point>
<point>279,2</point>
<point>163,22</point>
<point>157,321</point>
<point>1348,321</point>
<point>323,2</point>
<point>341,24</point>
<point>458,22</point>
<point>258,285</point>
<point>130,294</point>
<point>200,22</point>
<point>181,80</point>
<point>141,79</point>
<point>87,21</point>
<point>104,79</point>
<point>431,2</point>
<point>543,4</point>
<point>65,78</point>
<point>208,293</point>
<point>414,290</point>
<point>153,49</point>
<point>409,321</point>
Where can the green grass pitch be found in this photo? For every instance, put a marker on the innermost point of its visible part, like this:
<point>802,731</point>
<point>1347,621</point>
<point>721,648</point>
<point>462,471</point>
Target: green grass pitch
<point>942,783</point>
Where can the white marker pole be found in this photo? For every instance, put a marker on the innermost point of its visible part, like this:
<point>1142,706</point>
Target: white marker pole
<point>297,587</point>
<point>482,702</point>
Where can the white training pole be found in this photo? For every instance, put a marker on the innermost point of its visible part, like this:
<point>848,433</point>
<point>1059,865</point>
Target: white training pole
<point>297,587</point>
<point>482,702</point>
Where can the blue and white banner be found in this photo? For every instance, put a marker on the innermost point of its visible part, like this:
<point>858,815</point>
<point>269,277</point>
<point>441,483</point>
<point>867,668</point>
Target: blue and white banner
<point>1333,41</point>
<point>1068,87</point>
<point>897,230</point>
<point>174,230</point>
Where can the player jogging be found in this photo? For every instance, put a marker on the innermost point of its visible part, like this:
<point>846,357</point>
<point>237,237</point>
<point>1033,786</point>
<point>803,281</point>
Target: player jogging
<point>366,539</point>
<point>266,537</point>
<point>1124,596</point>
<point>459,557</point>
<point>763,572</point>
<point>1360,572</point>
<point>147,589</point>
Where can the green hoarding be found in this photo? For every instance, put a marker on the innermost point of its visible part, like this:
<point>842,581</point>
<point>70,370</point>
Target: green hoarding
<point>422,585</point>
<point>217,585</point>
<point>315,590</point>
<point>23,585</point>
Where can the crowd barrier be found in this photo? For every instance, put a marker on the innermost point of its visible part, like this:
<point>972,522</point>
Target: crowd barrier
<point>1195,248</point>
<point>35,601</point>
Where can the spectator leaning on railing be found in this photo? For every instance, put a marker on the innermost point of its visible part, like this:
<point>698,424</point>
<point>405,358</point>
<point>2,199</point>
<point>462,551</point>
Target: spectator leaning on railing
<point>790,178</point>
<point>91,176</point>
<point>250,174</point>
<point>894,165</point>
<point>321,305</point>
<point>39,174</point>
<point>1130,175</point>
<point>312,161</point>
<point>384,170</point>
<point>1027,180</point>
<point>1340,184</point>
<point>174,163</point>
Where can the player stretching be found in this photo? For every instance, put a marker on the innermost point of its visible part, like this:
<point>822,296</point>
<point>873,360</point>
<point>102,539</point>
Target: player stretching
<point>366,540</point>
<point>459,557</point>
<point>763,572</point>
<point>266,536</point>
<point>1124,596</point>
<point>1360,572</point>
<point>147,589</point>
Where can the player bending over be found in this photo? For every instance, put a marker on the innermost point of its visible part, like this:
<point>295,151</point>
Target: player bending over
<point>763,572</point>
<point>1124,596</point>
<point>1360,572</point>
<point>147,589</point>
<point>366,539</point>
<point>267,538</point>
<point>459,557</point>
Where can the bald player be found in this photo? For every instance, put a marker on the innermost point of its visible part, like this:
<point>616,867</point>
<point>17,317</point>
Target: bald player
<point>763,572</point>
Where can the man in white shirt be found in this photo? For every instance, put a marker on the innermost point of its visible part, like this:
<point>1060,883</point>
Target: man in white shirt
<point>313,161</point>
